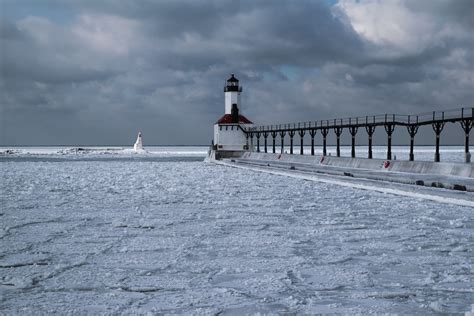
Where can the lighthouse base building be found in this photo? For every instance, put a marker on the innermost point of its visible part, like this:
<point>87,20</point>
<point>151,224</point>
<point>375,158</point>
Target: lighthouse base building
<point>230,139</point>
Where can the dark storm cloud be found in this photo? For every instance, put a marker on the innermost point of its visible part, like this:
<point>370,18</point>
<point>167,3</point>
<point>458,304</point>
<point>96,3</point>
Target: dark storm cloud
<point>459,11</point>
<point>8,30</point>
<point>96,72</point>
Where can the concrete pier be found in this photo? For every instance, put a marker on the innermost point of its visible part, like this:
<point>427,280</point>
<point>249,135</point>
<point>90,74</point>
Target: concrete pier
<point>446,175</point>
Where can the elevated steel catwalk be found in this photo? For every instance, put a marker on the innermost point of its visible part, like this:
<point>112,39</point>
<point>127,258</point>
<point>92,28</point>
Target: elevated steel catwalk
<point>437,119</point>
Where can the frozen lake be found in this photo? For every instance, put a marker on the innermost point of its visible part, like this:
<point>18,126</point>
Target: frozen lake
<point>168,233</point>
<point>422,153</point>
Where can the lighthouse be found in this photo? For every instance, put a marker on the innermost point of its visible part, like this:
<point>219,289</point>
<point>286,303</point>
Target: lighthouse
<point>229,135</point>
<point>232,92</point>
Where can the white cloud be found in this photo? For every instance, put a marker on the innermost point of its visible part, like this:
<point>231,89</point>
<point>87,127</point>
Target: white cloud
<point>40,29</point>
<point>107,33</point>
<point>390,25</point>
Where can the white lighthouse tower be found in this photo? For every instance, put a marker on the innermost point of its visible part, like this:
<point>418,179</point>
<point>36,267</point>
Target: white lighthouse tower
<point>229,136</point>
<point>232,93</point>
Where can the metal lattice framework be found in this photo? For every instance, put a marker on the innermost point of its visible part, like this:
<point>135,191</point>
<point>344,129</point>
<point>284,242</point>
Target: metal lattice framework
<point>437,119</point>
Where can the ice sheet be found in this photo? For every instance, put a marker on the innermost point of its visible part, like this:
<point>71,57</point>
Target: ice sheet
<point>137,236</point>
<point>104,152</point>
<point>422,153</point>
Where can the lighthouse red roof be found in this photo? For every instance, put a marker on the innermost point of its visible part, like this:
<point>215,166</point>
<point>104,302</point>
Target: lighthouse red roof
<point>227,119</point>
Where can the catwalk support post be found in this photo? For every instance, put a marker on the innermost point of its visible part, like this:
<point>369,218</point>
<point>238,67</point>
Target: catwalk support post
<point>282,135</point>
<point>265,136</point>
<point>412,130</point>
<point>291,133</point>
<point>301,132</point>
<point>312,133</point>
<point>324,132</point>
<point>353,131</point>
<point>437,128</point>
<point>274,135</point>
<point>466,124</point>
<point>370,132</point>
<point>258,141</point>
<point>389,128</point>
<point>338,132</point>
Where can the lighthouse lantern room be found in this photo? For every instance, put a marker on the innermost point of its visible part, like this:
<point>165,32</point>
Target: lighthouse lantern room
<point>229,135</point>
<point>232,93</point>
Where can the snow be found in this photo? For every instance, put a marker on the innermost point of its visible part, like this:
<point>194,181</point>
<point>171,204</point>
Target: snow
<point>177,235</point>
<point>437,195</point>
<point>102,152</point>
<point>422,153</point>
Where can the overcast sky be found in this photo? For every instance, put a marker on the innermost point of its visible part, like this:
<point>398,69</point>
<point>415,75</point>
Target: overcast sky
<point>96,72</point>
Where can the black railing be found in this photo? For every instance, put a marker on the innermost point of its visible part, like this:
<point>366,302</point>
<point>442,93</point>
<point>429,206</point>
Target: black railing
<point>426,118</point>
<point>437,119</point>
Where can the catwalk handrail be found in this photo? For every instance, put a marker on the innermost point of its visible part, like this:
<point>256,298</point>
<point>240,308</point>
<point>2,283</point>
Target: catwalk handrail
<point>427,118</point>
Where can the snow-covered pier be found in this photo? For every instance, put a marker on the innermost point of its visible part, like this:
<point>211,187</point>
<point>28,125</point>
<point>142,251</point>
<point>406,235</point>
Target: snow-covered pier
<point>237,140</point>
<point>448,175</point>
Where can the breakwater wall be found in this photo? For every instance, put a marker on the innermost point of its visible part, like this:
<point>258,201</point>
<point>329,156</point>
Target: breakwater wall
<point>422,167</point>
<point>446,175</point>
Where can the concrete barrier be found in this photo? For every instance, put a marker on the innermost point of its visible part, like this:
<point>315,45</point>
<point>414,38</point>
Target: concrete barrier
<point>455,169</point>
